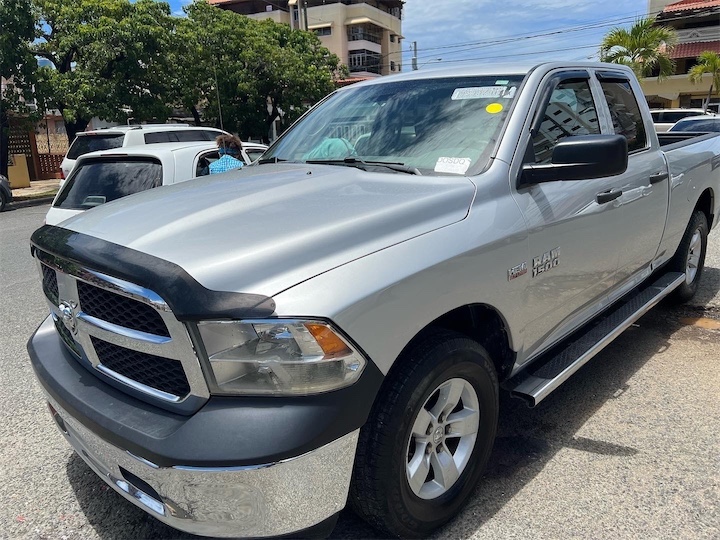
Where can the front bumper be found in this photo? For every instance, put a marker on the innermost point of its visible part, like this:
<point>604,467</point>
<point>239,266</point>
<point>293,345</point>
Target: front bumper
<point>251,501</point>
<point>243,467</point>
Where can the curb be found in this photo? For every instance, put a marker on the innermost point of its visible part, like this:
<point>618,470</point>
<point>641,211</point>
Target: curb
<point>30,202</point>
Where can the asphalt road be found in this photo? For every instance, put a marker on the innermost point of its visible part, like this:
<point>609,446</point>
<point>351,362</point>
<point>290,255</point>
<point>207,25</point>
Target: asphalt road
<point>628,448</point>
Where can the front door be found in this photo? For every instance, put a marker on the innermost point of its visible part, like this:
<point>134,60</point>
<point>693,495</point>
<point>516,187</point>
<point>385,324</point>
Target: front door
<point>573,225</point>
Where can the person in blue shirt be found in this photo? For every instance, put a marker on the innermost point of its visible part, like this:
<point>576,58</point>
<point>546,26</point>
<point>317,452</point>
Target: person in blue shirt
<point>230,150</point>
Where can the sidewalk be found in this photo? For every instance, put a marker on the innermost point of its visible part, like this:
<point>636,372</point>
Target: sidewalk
<point>39,192</point>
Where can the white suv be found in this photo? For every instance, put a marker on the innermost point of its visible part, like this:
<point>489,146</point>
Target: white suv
<point>116,137</point>
<point>664,119</point>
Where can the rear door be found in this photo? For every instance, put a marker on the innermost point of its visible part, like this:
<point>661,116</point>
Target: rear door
<point>645,185</point>
<point>100,180</point>
<point>85,143</point>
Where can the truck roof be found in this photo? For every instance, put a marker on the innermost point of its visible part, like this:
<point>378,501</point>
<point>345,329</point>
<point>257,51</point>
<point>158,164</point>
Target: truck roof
<point>482,68</point>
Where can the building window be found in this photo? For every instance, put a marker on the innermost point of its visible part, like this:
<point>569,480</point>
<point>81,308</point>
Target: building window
<point>364,60</point>
<point>392,38</point>
<point>366,32</point>
<point>392,65</point>
<point>325,31</point>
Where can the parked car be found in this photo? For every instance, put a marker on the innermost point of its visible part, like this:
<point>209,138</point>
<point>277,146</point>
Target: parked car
<point>120,136</point>
<point>100,177</point>
<point>664,119</point>
<point>5,193</point>
<point>697,124</point>
<point>333,325</point>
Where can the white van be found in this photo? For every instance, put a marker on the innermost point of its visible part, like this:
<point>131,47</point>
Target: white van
<point>100,177</point>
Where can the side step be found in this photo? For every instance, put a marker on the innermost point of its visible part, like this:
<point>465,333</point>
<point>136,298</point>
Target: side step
<point>546,374</point>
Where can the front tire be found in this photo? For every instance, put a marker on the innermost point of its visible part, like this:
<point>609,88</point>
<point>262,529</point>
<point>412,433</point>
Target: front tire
<point>690,257</point>
<point>429,436</point>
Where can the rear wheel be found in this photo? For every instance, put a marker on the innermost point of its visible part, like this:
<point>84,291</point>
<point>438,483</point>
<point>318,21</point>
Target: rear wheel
<point>690,257</point>
<point>3,201</point>
<point>429,436</point>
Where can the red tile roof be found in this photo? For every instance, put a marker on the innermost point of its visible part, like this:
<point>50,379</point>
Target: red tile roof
<point>693,50</point>
<point>691,4</point>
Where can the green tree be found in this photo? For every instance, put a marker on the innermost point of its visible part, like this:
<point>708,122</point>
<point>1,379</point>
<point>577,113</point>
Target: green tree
<point>227,65</point>
<point>708,62</point>
<point>109,59</point>
<point>646,47</point>
<point>18,66</point>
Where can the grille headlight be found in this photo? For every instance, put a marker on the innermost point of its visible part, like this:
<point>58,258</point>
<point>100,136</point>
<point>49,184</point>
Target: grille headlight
<point>276,356</point>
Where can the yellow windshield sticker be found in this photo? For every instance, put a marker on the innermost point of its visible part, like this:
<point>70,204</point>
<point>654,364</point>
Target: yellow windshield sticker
<point>494,108</point>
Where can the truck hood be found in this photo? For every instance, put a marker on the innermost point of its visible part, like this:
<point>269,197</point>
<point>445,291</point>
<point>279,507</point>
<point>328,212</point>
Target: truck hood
<point>263,229</point>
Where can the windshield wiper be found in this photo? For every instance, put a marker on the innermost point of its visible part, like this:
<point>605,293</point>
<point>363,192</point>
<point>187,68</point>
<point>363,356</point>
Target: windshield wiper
<point>363,164</point>
<point>270,160</point>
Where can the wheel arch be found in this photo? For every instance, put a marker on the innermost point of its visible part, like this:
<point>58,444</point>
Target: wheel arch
<point>706,204</point>
<point>480,322</point>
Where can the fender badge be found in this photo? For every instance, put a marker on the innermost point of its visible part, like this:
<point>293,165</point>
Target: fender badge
<point>517,271</point>
<point>549,259</point>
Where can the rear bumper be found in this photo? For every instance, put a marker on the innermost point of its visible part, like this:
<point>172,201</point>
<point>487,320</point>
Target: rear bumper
<point>250,501</point>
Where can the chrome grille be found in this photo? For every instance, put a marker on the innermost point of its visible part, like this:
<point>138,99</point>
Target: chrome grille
<point>154,371</point>
<point>120,310</point>
<point>66,336</point>
<point>50,285</point>
<point>126,332</point>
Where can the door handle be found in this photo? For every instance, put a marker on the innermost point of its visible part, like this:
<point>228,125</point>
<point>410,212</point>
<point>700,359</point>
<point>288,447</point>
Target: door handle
<point>607,196</point>
<point>659,177</point>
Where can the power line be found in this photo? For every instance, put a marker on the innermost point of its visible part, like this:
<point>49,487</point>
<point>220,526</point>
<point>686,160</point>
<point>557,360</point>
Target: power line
<point>427,53</point>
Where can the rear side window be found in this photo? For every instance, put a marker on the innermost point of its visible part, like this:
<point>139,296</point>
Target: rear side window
<point>84,144</point>
<point>625,113</point>
<point>571,111</point>
<point>655,117</point>
<point>187,135</point>
<point>100,181</point>
<point>674,116</point>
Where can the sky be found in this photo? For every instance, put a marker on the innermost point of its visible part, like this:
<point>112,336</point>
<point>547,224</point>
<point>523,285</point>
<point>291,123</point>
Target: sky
<point>457,31</point>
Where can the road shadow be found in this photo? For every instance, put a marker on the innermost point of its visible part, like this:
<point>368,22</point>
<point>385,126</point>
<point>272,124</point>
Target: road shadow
<point>527,440</point>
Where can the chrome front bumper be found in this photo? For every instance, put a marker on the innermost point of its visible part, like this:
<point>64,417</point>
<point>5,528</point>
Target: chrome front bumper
<point>253,501</point>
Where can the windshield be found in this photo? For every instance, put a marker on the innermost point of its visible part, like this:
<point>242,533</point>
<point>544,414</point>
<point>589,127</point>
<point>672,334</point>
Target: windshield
<point>99,181</point>
<point>84,144</point>
<point>437,126</point>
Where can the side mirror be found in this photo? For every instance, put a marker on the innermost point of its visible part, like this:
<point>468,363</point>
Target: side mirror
<point>580,158</point>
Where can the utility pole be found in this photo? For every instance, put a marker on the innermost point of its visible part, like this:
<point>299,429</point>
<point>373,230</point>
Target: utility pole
<point>414,58</point>
<point>305,17</point>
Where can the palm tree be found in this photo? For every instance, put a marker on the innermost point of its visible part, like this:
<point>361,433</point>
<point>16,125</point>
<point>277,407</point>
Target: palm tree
<point>708,62</point>
<point>645,47</point>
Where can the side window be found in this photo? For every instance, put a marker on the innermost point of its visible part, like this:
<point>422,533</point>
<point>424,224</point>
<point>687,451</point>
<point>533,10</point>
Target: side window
<point>571,111</point>
<point>625,113</point>
<point>189,135</point>
<point>160,137</point>
<point>211,135</point>
<point>204,161</point>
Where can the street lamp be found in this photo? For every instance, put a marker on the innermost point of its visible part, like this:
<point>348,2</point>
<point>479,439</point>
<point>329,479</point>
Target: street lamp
<point>430,62</point>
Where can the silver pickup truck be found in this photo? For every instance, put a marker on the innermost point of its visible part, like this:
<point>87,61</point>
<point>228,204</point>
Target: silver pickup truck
<point>246,354</point>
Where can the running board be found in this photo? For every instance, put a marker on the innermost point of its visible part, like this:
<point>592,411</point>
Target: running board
<point>547,374</point>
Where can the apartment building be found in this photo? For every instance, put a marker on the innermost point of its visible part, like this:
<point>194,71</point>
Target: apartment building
<point>697,23</point>
<point>365,35</point>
